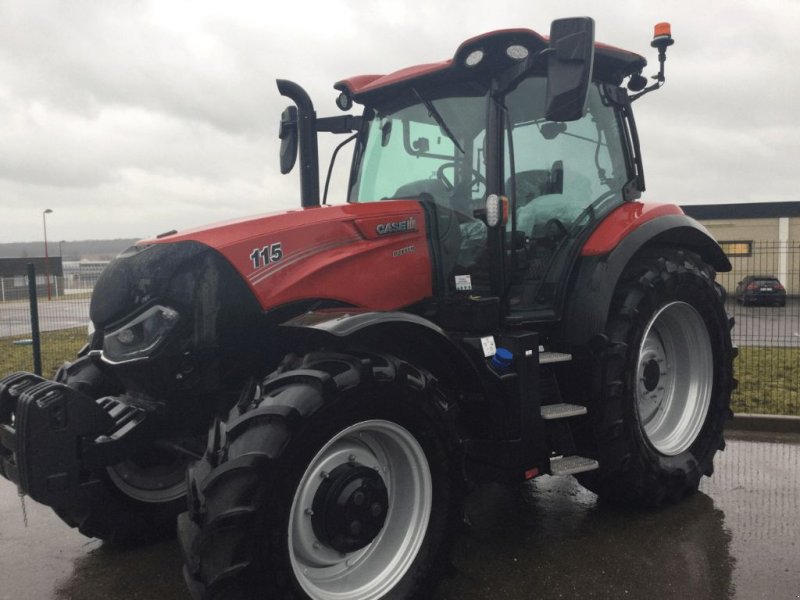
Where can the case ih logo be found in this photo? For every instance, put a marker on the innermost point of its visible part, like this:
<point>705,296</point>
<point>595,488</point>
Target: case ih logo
<point>409,224</point>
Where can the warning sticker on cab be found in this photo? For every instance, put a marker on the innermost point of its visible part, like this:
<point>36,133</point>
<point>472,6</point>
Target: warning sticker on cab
<point>463,283</point>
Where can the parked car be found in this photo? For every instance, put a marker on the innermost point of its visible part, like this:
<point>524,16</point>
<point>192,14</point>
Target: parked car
<point>760,289</point>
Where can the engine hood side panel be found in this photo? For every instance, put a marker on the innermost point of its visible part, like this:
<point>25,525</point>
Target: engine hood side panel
<point>351,254</point>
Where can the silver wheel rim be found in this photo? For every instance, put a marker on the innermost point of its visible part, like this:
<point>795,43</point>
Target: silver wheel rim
<point>154,482</point>
<point>674,377</point>
<point>372,571</point>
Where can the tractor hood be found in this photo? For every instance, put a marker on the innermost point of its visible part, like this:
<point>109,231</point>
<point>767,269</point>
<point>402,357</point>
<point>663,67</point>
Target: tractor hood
<point>339,253</point>
<point>189,308</point>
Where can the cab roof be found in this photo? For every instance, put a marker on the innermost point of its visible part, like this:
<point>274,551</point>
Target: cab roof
<point>611,64</point>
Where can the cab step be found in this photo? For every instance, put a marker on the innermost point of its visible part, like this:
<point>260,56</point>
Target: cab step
<point>562,410</point>
<point>546,358</point>
<point>569,465</point>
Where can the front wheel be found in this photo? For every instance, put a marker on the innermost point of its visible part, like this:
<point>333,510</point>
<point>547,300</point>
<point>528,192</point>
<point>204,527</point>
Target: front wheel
<point>338,481</point>
<point>342,536</point>
<point>666,378</point>
<point>135,501</point>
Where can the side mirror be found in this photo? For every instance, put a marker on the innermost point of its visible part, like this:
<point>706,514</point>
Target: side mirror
<point>288,135</point>
<point>569,68</point>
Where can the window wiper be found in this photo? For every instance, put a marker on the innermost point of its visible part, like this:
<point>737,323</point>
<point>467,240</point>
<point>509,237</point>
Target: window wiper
<point>439,120</point>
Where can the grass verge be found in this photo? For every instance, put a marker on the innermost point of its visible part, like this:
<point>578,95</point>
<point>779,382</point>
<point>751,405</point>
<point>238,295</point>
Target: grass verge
<point>57,346</point>
<point>769,378</point>
<point>769,381</point>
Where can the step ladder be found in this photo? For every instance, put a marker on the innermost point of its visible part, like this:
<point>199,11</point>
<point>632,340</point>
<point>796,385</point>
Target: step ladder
<point>563,465</point>
<point>562,410</point>
<point>570,465</point>
<point>547,358</point>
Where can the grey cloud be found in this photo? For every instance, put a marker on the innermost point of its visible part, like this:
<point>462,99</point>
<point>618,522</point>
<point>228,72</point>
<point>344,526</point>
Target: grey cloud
<point>161,115</point>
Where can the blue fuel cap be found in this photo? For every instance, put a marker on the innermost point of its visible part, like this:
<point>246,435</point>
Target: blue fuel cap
<point>502,359</point>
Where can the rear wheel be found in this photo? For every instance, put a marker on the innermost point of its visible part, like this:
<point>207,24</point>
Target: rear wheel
<point>339,481</point>
<point>674,377</point>
<point>666,381</point>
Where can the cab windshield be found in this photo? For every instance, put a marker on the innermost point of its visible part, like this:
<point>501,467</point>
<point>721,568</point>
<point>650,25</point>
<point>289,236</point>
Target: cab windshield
<point>429,147</point>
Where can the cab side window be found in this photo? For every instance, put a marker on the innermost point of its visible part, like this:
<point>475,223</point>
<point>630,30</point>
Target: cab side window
<point>561,168</point>
<point>560,178</point>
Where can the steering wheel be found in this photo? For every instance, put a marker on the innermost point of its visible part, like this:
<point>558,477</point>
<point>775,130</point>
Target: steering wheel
<point>555,229</point>
<point>476,176</point>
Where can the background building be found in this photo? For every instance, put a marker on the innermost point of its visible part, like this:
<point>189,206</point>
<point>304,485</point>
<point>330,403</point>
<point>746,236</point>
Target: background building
<point>760,238</point>
<point>14,277</point>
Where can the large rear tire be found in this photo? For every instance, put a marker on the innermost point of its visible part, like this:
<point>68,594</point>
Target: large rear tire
<point>339,481</point>
<point>666,381</point>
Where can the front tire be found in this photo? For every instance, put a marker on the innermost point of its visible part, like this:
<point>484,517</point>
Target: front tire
<point>136,501</point>
<point>340,481</point>
<point>666,378</point>
<point>394,472</point>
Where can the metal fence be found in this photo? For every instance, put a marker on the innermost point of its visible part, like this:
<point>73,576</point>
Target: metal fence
<point>767,329</point>
<point>767,335</point>
<point>62,322</point>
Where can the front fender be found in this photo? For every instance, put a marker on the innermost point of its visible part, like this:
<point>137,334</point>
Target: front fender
<point>597,274</point>
<point>406,335</point>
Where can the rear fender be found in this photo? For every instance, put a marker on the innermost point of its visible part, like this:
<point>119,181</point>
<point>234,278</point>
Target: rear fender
<point>596,275</point>
<point>405,335</point>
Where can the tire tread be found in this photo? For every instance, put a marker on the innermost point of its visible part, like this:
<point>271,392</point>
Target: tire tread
<point>629,472</point>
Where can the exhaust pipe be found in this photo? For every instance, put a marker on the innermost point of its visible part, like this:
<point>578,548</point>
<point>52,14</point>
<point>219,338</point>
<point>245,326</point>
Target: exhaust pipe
<point>307,138</point>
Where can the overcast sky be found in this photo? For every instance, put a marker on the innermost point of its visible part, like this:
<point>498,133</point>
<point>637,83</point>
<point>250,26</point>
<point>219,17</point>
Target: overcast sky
<point>130,118</point>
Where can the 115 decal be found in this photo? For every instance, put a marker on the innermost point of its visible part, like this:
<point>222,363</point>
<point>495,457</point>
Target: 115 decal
<point>270,253</point>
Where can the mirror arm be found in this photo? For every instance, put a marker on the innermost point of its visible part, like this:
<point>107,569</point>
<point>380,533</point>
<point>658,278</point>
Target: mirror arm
<point>507,80</point>
<point>341,124</point>
<point>657,85</point>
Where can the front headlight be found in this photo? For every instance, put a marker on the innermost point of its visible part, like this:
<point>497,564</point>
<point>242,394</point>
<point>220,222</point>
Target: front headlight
<point>137,339</point>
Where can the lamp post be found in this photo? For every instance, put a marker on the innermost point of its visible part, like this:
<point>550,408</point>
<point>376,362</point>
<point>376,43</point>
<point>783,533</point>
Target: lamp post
<point>46,212</point>
<point>61,258</point>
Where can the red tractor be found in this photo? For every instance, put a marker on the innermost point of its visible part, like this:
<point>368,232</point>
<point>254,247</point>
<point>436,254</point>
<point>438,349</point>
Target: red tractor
<point>492,303</point>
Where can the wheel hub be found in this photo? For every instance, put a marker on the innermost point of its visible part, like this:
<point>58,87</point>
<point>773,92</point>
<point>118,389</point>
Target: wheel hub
<point>154,476</point>
<point>652,373</point>
<point>350,507</point>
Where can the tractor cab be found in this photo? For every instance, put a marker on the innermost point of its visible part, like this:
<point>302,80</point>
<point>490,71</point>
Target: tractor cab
<point>517,147</point>
<point>553,180</point>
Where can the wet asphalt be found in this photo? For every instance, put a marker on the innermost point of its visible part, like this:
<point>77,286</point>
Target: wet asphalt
<point>549,539</point>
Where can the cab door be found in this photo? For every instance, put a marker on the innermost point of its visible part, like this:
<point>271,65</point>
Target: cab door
<point>561,180</point>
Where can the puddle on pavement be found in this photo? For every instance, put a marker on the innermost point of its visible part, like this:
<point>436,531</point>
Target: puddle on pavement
<point>126,574</point>
<point>736,538</point>
<point>551,539</point>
